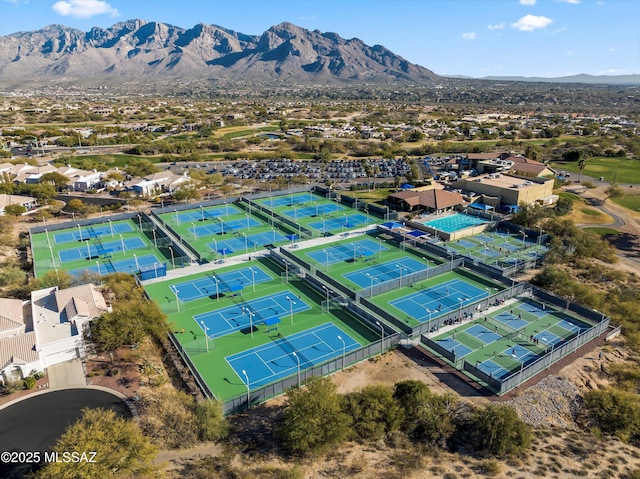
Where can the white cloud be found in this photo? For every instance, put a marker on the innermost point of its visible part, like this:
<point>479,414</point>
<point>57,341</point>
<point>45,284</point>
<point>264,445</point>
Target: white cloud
<point>569,53</point>
<point>84,8</point>
<point>528,2</point>
<point>497,26</point>
<point>612,50</point>
<point>613,71</point>
<point>529,23</point>
<point>469,35</point>
<point>574,2</point>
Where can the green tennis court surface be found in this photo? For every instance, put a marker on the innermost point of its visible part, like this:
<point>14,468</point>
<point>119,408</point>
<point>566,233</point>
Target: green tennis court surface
<point>102,248</point>
<point>504,341</point>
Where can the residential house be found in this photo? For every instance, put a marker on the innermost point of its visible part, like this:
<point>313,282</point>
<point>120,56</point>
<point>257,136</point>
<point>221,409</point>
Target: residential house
<point>430,200</point>
<point>159,183</point>
<point>28,202</point>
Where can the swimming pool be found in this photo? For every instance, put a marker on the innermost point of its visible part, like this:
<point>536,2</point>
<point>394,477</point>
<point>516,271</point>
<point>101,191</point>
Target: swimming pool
<point>454,222</point>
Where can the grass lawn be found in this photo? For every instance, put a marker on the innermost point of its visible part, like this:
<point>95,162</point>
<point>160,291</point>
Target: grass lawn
<point>570,196</point>
<point>602,231</point>
<point>631,202</point>
<point>376,195</point>
<point>624,170</point>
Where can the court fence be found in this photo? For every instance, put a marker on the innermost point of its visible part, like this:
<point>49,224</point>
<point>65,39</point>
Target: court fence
<point>553,354</point>
<point>201,383</point>
<point>372,208</point>
<point>259,395</point>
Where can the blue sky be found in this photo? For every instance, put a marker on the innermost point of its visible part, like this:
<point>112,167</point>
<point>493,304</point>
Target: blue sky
<point>459,37</point>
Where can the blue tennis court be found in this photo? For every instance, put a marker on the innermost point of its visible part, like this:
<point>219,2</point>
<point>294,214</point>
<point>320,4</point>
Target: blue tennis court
<point>96,250</point>
<point>91,232</point>
<point>511,321</point>
<point>215,285</point>
<point>569,326</point>
<point>240,316</point>
<point>346,251</point>
<point>441,299</point>
<point>210,213</point>
<point>483,334</point>
<point>271,362</point>
<point>123,266</point>
<point>314,210</point>
<point>341,221</point>
<point>548,338</point>
<point>456,347</point>
<point>466,244</point>
<point>533,309</point>
<point>287,200</point>
<point>246,243</point>
<point>218,284</point>
<point>389,271</point>
<point>493,370</point>
<point>521,354</point>
<point>222,227</point>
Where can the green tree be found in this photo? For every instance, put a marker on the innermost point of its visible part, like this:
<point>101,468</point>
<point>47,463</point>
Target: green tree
<point>76,206</point>
<point>314,420</point>
<point>186,192</point>
<point>59,181</point>
<point>120,449</point>
<point>128,323</point>
<point>532,152</point>
<point>15,210</point>
<point>427,417</point>
<point>213,425</point>
<point>499,431</point>
<point>616,412</point>
<point>614,191</point>
<point>374,412</point>
<point>563,206</point>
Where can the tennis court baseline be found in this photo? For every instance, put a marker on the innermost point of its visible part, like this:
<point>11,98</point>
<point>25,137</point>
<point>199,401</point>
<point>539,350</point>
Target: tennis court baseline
<point>211,285</point>
<point>456,347</point>
<point>271,362</point>
<point>441,299</point>
<point>314,211</point>
<point>511,321</point>
<point>287,200</point>
<point>483,334</point>
<point>240,316</point>
<point>342,221</point>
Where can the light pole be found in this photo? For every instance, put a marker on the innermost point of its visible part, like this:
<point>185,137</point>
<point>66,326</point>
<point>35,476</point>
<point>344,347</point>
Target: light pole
<point>80,233</point>
<point>344,350</point>
<point>98,266</point>
<point>291,303</point>
<point>202,212</point>
<point>110,227</point>
<point>88,249</point>
<point>460,311</point>
<point>379,248</point>
<point>248,388</point>
<point>173,260</point>
<point>248,224</point>
<point>381,332</point>
<point>451,263</point>
<point>206,335</point>
<point>297,359</point>
<point>372,278</point>
<point>246,244</point>
<point>429,323</point>
<point>177,220</point>
<point>401,269</point>
<point>135,258</point>
<point>327,290</point>
<point>286,272</point>
<point>195,236</point>
<point>250,321</point>
<point>524,235</point>
<point>221,225</point>
<point>122,243</point>
<point>215,246</point>
<point>253,278</point>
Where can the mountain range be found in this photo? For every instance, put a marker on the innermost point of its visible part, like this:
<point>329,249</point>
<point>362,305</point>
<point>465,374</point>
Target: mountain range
<point>136,48</point>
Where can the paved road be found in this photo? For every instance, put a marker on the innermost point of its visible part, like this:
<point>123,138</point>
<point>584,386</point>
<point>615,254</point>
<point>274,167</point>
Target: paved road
<point>35,423</point>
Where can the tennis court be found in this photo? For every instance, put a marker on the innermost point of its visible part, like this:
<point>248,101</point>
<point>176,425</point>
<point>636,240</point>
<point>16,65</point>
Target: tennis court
<point>346,251</point>
<point>443,298</point>
<point>222,227</point>
<point>130,265</point>
<point>245,314</point>
<point>342,221</point>
<point>244,242</point>
<point>389,271</point>
<point>456,347</point>
<point>96,250</point>
<point>216,285</point>
<point>288,355</point>
<point>203,214</point>
<point>91,232</point>
<point>287,200</point>
<point>314,211</point>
